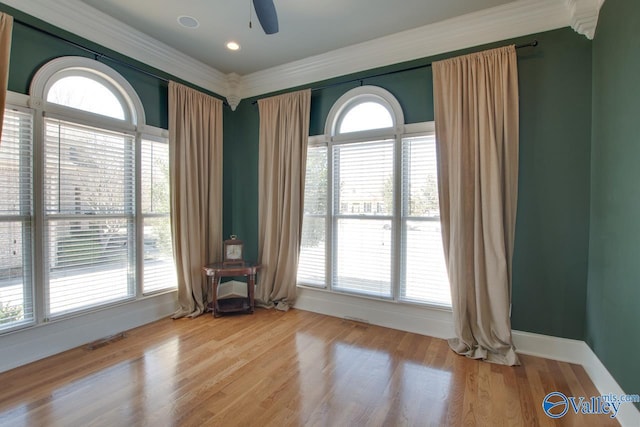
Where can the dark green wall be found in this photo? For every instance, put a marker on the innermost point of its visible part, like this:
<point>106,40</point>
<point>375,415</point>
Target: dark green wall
<point>613,317</point>
<point>550,261</point>
<point>240,171</point>
<point>551,252</point>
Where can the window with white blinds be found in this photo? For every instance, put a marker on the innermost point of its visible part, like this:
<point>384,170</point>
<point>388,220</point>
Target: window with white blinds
<point>89,201</point>
<point>312,261</point>
<point>372,219</point>
<point>84,205</point>
<point>424,274</point>
<point>159,266</point>
<point>363,175</point>
<point>16,218</point>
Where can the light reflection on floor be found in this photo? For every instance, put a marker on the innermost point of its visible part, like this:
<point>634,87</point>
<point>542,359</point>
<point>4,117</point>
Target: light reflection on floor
<point>357,380</point>
<point>146,382</point>
<point>431,384</point>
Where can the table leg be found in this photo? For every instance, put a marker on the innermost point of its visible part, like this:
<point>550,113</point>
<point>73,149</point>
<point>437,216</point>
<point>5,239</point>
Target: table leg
<point>251,283</point>
<point>215,282</point>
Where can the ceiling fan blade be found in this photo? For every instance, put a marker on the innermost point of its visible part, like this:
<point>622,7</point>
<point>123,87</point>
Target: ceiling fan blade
<point>266,12</point>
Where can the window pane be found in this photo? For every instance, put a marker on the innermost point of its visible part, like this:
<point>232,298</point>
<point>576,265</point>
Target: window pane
<point>363,256</point>
<point>15,164</point>
<point>420,180</point>
<point>311,263</point>
<point>315,187</point>
<point>88,171</point>
<point>365,116</point>
<point>424,274</point>
<point>86,94</point>
<point>364,178</point>
<point>159,267</point>
<point>89,263</point>
<point>89,205</point>
<point>155,177</point>
<point>16,301</point>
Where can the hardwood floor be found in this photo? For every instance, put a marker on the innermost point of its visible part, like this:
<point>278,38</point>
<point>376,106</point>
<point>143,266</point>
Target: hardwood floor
<point>277,369</point>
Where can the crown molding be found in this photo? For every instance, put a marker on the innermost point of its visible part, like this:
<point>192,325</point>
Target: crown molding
<point>234,82</point>
<point>87,22</point>
<point>584,16</point>
<point>511,20</point>
<point>490,25</point>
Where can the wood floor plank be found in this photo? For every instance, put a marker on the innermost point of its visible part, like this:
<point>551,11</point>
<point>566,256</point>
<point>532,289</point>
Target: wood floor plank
<point>283,369</point>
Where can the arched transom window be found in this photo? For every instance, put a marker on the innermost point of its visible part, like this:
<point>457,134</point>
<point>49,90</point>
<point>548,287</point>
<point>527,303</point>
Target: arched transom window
<point>77,85</point>
<point>364,109</point>
<point>88,92</point>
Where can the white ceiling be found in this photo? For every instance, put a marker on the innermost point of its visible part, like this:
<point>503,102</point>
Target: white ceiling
<point>307,28</point>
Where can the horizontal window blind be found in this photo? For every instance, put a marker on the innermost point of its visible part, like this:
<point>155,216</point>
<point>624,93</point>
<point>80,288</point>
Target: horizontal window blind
<point>362,179</point>
<point>89,263</point>
<point>424,274</point>
<point>16,164</point>
<point>88,171</point>
<point>311,263</point>
<point>89,189</point>
<point>16,206</point>
<point>363,256</point>
<point>155,177</point>
<point>159,266</point>
<point>363,173</point>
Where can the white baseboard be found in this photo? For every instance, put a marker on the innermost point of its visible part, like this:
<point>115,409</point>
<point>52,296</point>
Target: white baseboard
<point>549,347</point>
<point>429,321</point>
<point>629,415</point>
<point>439,323</point>
<point>28,345</point>
<point>575,351</point>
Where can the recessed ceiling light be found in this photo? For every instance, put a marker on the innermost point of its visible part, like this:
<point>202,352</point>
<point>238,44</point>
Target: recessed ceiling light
<point>188,21</point>
<point>233,45</point>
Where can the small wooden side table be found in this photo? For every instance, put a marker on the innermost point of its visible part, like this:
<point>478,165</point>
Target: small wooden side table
<point>218,270</point>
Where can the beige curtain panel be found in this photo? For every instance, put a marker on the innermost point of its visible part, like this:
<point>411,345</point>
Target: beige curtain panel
<point>476,114</point>
<point>6,27</point>
<point>195,150</point>
<point>284,134</point>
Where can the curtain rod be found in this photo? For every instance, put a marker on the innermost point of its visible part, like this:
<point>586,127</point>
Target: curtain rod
<point>97,55</point>
<point>533,43</point>
<point>93,52</point>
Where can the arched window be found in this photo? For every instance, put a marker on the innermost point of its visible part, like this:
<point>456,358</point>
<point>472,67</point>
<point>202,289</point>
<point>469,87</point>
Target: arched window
<point>87,93</point>
<point>99,244</point>
<point>365,109</point>
<point>365,115</point>
<point>75,85</point>
<point>371,223</point>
